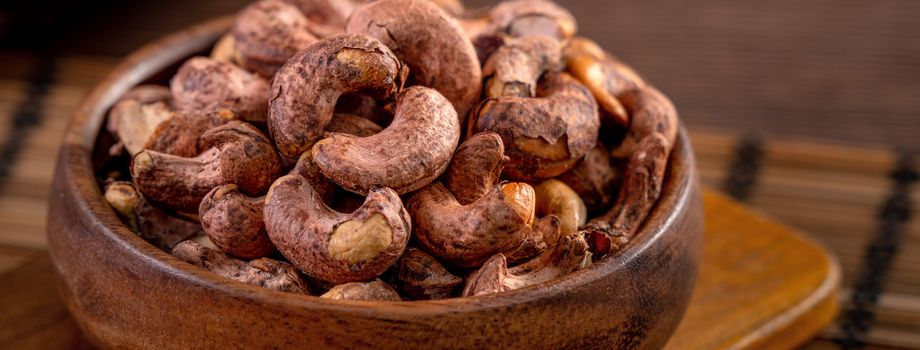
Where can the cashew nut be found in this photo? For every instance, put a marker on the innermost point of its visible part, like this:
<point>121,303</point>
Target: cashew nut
<point>240,155</point>
<point>305,90</point>
<point>134,120</point>
<point>570,254</point>
<point>605,75</point>
<point>422,277</point>
<point>476,167</point>
<point>333,246</point>
<point>266,273</point>
<point>203,82</point>
<point>639,192</point>
<point>513,70</point>
<point>547,135</point>
<point>430,42</point>
<point>181,134</point>
<point>542,235</point>
<point>149,222</point>
<point>267,33</point>
<point>532,17</point>
<point>467,235</point>
<point>375,290</point>
<point>233,221</point>
<point>651,112</point>
<point>225,50</point>
<point>556,198</point>
<point>594,179</point>
<point>327,16</point>
<point>410,153</point>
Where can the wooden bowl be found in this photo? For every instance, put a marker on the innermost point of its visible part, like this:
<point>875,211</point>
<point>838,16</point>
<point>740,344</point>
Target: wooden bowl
<point>126,293</point>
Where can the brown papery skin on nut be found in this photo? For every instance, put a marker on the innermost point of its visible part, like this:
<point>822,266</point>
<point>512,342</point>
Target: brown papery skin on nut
<point>136,122</point>
<point>651,113</point>
<point>233,221</point>
<point>422,277</point>
<point>142,94</point>
<point>519,18</point>
<point>539,237</point>
<point>464,236</point>
<point>265,273</point>
<point>514,69</point>
<point>410,153</point>
<point>327,16</point>
<point>430,42</point>
<point>305,90</point>
<point>181,134</point>
<point>594,178</point>
<point>302,228</point>
<point>476,167</point>
<point>544,136</point>
<point>605,75</point>
<point>239,154</point>
<point>269,32</point>
<point>202,82</point>
<point>150,223</point>
<point>375,290</point>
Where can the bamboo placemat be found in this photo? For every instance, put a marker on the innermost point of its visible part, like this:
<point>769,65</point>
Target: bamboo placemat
<point>856,200</point>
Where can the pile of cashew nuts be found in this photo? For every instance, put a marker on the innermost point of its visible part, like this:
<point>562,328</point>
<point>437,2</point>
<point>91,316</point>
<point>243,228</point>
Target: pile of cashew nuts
<point>392,150</point>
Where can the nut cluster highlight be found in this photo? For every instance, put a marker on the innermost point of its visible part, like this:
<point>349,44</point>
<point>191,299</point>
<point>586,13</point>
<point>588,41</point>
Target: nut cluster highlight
<point>392,150</point>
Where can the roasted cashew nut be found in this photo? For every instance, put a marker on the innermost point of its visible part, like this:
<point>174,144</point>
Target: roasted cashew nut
<point>514,69</point>
<point>328,17</point>
<point>410,153</point>
<point>651,112</point>
<point>430,42</point>
<point>570,254</point>
<point>134,118</point>
<point>531,17</point>
<point>467,235</point>
<point>556,198</point>
<point>233,221</point>
<point>594,179</point>
<point>332,246</point>
<point>181,134</point>
<point>422,277</point>
<point>149,222</point>
<point>240,155</point>
<point>202,82</point>
<point>605,75</point>
<point>375,290</point>
<point>264,272</point>
<point>476,167</point>
<point>304,91</point>
<point>547,135</point>
<point>269,32</point>
<point>224,50</point>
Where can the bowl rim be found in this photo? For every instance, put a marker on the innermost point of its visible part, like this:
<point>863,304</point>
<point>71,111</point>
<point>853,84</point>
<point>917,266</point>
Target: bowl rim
<point>87,122</point>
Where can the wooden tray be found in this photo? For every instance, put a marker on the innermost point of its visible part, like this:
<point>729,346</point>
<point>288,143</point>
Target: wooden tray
<point>762,286</point>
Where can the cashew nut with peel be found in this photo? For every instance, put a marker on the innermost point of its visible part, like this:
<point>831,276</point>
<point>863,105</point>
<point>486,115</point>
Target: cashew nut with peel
<point>240,155</point>
<point>430,42</point>
<point>233,221</point>
<point>547,135</point>
<point>594,178</point>
<point>181,134</point>
<point>305,90</point>
<point>570,254</point>
<point>225,50</point>
<point>556,198</point>
<point>605,75</point>
<point>640,190</point>
<point>542,235</point>
<point>531,17</point>
<point>476,167</point>
<point>375,290</point>
<point>152,224</point>
<point>410,153</point>
<point>332,246</point>
<point>514,69</point>
<point>264,272</point>
<point>327,16</point>
<point>465,236</point>
<point>267,33</point>
<point>651,112</point>
<point>134,119</point>
<point>203,82</point>
<point>422,277</point>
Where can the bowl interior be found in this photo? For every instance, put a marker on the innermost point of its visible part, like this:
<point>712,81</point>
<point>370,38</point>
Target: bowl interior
<point>157,62</point>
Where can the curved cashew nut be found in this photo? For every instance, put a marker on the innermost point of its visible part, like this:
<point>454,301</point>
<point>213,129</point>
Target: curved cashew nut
<point>305,90</point>
<point>181,134</point>
<point>240,155</point>
<point>422,277</point>
<point>651,112</point>
<point>267,33</point>
<point>333,246</point>
<point>203,82</point>
<point>134,118</point>
<point>641,187</point>
<point>547,135</point>
<point>266,273</point>
<point>570,254</point>
<point>375,290</point>
<point>430,42</point>
<point>605,75</point>
<point>467,235</point>
<point>532,17</point>
<point>594,179</point>
<point>410,153</point>
<point>556,198</point>
<point>513,70</point>
<point>233,221</point>
<point>328,16</point>
<point>224,50</point>
<point>539,237</point>
<point>476,167</point>
<point>149,222</point>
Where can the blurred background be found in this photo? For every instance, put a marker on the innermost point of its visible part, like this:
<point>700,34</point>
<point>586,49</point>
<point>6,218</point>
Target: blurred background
<point>808,110</point>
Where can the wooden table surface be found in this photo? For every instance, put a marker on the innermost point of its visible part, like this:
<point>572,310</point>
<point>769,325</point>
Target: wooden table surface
<point>828,89</point>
